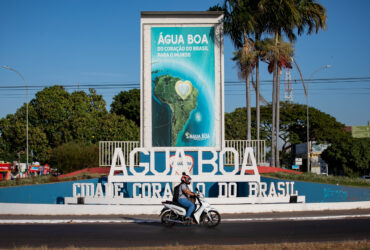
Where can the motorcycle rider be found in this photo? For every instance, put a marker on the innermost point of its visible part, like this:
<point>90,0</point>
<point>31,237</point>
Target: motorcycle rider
<point>185,194</point>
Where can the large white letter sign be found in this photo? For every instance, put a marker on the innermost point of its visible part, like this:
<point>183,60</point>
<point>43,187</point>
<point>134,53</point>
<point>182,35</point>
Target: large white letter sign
<point>148,184</point>
<point>99,190</point>
<point>248,153</point>
<point>117,188</point>
<point>179,163</point>
<point>167,192</point>
<point>232,190</point>
<point>210,169</point>
<point>156,192</point>
<point>74,188</point>
<point>145,165</point>
<point>253,189</point>
<point>211,162</point>
<point>222,190</point>
<point>202,188</point>
<point>108,189</point>
<point>236,161</point>
<point>134,190</point>
<point>152,163</point>
<point>118,154</point>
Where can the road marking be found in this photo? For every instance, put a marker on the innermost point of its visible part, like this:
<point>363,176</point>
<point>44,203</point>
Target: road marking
<point>74,221</point>
<point>107,221</point>
<point>332,217</point>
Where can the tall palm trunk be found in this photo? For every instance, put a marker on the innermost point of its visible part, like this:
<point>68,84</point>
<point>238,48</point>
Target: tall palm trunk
<point>248,103</point>
<point>273,115</point>
<point>275,108</point>
<point>248,89</point>
<point>277,115</point>
<point>258,120</point>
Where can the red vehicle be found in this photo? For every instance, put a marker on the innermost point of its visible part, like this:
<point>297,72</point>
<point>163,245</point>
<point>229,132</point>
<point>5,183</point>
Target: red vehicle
<point>34,168</point>
<point>5,170</point>
<point>46,169</point>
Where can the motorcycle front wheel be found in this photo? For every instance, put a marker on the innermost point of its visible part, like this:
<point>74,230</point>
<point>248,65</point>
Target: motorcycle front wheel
<point>211,219</point>
<point>167,218</point>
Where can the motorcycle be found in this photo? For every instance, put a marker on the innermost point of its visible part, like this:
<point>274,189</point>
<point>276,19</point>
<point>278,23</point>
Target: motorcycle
<point>204,214</point>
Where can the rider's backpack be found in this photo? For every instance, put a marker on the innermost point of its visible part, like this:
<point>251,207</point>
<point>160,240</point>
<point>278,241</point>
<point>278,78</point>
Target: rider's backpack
<point>176,193</point>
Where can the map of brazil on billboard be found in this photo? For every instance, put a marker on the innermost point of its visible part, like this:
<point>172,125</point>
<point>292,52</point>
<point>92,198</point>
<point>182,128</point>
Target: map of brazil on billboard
<point>183,87</point>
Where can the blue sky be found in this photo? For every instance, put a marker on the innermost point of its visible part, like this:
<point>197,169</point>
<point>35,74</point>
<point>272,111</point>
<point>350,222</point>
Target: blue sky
<point>87,42</point>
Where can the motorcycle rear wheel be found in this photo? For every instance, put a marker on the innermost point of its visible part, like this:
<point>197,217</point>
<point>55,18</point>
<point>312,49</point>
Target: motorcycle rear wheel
<point>211,219</point>
<point>167,217</point>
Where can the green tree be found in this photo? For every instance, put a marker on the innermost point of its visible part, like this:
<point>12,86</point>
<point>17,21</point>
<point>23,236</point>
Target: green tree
<point>324,128</point>
<point>53,108</point>
<point>117,128</point>
<point>13,134</point>
<point>127,103</point>
<point>66,117</point>
<point>235,125</point>
<point>348,156</point>
<point>88,111</point>
<point>57,117</point>
<point>39,145</point>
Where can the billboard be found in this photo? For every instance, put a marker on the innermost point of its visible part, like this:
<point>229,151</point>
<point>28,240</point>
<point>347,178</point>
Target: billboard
<point>182,80</point>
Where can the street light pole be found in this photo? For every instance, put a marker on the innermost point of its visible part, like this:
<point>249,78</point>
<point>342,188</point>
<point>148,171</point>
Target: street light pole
<point>16,71</point>
<point>308,119</point>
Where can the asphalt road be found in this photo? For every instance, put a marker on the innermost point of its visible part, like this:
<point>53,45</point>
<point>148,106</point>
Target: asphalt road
<point>154,234</point>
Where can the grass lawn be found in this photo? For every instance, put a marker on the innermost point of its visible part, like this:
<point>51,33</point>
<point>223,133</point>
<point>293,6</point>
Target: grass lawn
<point>34,180</point>
<point>336,180</point>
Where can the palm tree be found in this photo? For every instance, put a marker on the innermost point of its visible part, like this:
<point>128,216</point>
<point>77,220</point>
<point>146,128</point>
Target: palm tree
<point>239,23</point>
<point>280,17</point>
<point>312,16</point>
<point>246,60</point>
<point>277,17</point>
<point>283,17</point>
<point>277,55</point>
<point>259,29</point>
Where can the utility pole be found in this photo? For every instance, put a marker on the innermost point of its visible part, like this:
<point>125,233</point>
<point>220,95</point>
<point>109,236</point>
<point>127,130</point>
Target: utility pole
<point>16,71</point>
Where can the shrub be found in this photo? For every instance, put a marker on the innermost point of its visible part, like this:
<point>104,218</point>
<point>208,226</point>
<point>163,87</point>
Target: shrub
<point>72,156</point>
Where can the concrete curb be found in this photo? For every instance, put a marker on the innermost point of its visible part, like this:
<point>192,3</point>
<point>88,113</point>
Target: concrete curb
<point>55,209</point>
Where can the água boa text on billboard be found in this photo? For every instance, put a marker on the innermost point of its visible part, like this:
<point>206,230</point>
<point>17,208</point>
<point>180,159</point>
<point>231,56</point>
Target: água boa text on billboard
<point>159,170</point>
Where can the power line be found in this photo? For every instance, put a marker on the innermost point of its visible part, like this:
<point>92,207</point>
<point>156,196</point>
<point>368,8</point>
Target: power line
<point>318,80</point>
<point>133,84</point>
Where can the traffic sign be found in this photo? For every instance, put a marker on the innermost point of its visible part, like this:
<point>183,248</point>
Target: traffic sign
<point>298,161</point>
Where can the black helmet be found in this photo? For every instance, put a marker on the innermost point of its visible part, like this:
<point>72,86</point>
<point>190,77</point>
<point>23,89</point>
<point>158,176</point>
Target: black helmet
<point>185,178</point>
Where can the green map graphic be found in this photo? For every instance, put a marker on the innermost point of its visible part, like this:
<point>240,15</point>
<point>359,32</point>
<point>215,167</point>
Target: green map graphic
<point>180,96</point>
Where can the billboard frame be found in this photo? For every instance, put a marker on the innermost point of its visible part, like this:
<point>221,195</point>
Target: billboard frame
<point>151,19</point>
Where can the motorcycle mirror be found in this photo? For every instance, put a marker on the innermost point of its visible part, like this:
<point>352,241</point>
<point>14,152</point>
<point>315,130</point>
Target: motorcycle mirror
<point>196,189</point>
